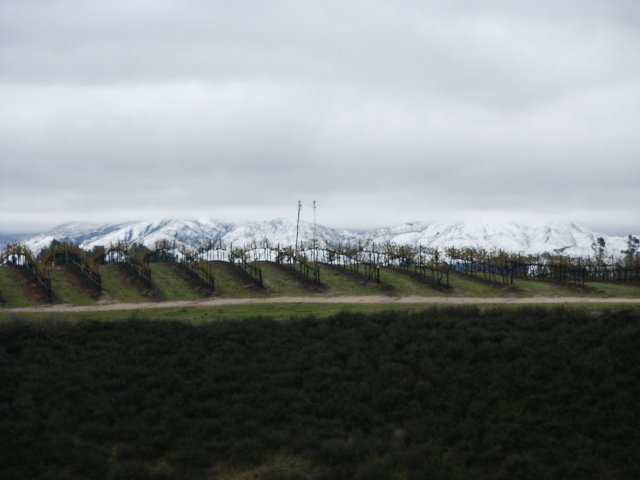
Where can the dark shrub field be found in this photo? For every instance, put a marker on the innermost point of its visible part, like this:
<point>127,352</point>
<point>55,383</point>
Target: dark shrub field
<point>443,394</point>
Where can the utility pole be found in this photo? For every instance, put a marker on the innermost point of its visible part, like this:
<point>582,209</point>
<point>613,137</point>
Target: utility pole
<point>298,228</point>
<point>315,243</point>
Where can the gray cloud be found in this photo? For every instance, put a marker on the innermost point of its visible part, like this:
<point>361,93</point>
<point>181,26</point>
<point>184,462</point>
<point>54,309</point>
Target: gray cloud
<point>381,111</point>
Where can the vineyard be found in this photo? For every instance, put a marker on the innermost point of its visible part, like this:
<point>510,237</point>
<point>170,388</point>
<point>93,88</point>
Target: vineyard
<point>63,272</point>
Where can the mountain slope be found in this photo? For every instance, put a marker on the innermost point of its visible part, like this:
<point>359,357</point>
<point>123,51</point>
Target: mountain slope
<point>190,232</point>
<point>567,238</point>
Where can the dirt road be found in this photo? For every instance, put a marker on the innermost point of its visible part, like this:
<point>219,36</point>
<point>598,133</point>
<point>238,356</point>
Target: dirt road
<point>64,308</point>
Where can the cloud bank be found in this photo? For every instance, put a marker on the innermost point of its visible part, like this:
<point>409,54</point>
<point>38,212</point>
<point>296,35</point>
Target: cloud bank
<point>383,112</point>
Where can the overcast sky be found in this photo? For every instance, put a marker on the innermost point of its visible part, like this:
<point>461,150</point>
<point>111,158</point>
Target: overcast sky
<point>381,111</point>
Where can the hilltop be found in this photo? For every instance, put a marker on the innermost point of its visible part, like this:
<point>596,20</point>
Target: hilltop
<point>568,238</point>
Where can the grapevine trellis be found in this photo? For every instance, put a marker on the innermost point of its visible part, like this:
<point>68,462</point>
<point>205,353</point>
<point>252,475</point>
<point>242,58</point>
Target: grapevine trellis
<point>356,260</point>
<point>250,269</point>
<point>190,261</point>
<point>131,257</point>
<point>165,251</point>
<point>562,272</point>
<point>425,263</point>
<point>365,260</point>
<point>243,260</point>
<point>486,270</point>
<point>503,268</point>
<point>612,272</point>
<point>20,256</point>
<point>71,255</point>
<point>299,264</point>
<point>170,252</point>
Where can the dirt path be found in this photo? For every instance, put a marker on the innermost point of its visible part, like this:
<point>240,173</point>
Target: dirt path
<point>379,299</point>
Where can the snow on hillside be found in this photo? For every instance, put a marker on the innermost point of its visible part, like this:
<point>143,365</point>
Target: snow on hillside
<point>191,232</point>
<point>568,238</point>
<point>283,232</point>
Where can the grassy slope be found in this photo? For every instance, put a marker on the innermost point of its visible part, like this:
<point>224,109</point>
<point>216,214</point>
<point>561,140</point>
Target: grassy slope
<point>549,289</point>
<point>204,315</point>
<point>278,311</point>
<point>15,290</point>
<point>118,287</point>
<point>229,282</point>
<point>469,286</point>
<point>281,283</point>
<point>68,288</point>
<point>170,284</point>
<point>340,282</point>
<point>405,285</point>
<point>615,290</point>
<point>465,286</point>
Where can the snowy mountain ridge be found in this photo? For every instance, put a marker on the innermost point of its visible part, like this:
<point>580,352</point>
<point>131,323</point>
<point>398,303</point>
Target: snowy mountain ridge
<point>568,238</point>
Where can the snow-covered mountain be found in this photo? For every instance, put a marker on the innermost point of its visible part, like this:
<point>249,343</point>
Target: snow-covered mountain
<point>568,238</point>
<point>87,235</point>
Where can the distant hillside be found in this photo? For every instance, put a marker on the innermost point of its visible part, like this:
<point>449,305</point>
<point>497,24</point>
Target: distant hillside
<point>568,238</point>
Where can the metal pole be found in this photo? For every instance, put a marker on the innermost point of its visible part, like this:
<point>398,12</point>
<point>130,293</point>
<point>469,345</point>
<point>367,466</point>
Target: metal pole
<point>297,228</point>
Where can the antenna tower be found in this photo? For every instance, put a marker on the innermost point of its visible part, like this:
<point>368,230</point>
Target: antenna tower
<point>315,243</point>
<point>298,227</point>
